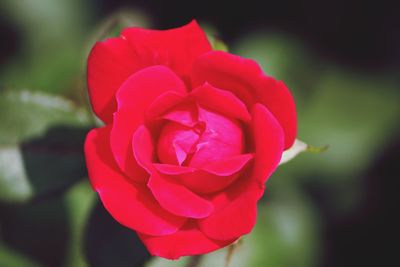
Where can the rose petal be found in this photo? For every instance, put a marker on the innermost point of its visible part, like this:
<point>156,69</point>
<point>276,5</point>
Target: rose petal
<point>162,103</point>
<point>235,210</point>
<point>245,79</point>
<point>223,137</point>
<point>143,87</point>
<point>228,166</point>
<point>228,72</point>
<point>143,148</point>
<point>203,182</point>
<point>268,138</point>
<point>221,101</point>
<point>185,114</point>
<point>175,143</point>
<point>280,102</point>
<point>134,97</point>
<point>198,181</point>
<point>129,203</point>
<point>212,178</point>
<point>177,199</point>
<point>173,169</point>
<point>187,241</point>
<point>176,48</point>
<point>124,158</point>
<point>110,63</point>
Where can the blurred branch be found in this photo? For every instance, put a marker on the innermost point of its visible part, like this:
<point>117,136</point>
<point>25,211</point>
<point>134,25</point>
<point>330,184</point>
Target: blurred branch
<point>195,261</point>
<point>316,149</point>
<point>300,147</point>
<point>231,249</point>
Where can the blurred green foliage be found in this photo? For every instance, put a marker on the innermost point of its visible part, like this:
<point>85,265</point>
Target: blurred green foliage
<point>25,114</point>
<point>29,161</point>
<point>44,115</point>
<point>50,56</point>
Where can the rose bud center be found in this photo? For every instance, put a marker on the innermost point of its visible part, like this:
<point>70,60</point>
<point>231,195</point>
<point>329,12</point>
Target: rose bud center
<point>211,138</point>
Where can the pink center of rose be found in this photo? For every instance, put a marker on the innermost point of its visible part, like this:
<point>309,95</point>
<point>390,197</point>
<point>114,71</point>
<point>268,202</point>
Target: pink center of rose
<point>204,138</point>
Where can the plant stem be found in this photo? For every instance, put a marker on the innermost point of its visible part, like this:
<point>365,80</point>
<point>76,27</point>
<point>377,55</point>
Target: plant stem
<point>194,261</point>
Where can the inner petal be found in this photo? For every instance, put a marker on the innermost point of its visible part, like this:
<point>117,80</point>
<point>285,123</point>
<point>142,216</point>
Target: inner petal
<point>176,143</point>
<point>194,136</point>
<point>222,138</point>
<point>185,114</point>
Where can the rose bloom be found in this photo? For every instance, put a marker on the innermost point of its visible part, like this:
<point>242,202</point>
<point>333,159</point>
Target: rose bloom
<point>191,135</point>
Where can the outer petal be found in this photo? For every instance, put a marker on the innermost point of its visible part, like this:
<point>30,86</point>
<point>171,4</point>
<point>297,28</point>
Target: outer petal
<point>134,97</point>
<point>235,210</point>
<point>268,138</point>
<point>110,63</point>
<point>245,79</point>
<point>221,101</point>
<point>177,199</point>
<point>280,102</point>
<point>188,241</point>
<point>129,203</point>
<point>176,48</point>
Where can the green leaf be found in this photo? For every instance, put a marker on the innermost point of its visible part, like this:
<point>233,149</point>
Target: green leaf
<point>40,150</point>
<point>14,183</point>
<point>42,166</point>
<point>214,38</point>
<point>25,114</point>
<point>218,44</point>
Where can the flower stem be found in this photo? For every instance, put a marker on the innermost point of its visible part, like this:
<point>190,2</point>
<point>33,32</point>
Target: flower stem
<point>194,261</point>
<point>231,250</point>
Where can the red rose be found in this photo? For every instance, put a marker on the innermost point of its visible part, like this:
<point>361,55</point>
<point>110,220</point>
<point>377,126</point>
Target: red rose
<point>191,136</point>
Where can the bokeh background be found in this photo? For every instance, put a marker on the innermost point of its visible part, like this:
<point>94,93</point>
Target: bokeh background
<point>341,60</point>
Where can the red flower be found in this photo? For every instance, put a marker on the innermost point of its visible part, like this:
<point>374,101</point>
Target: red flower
<point>191,136</point>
